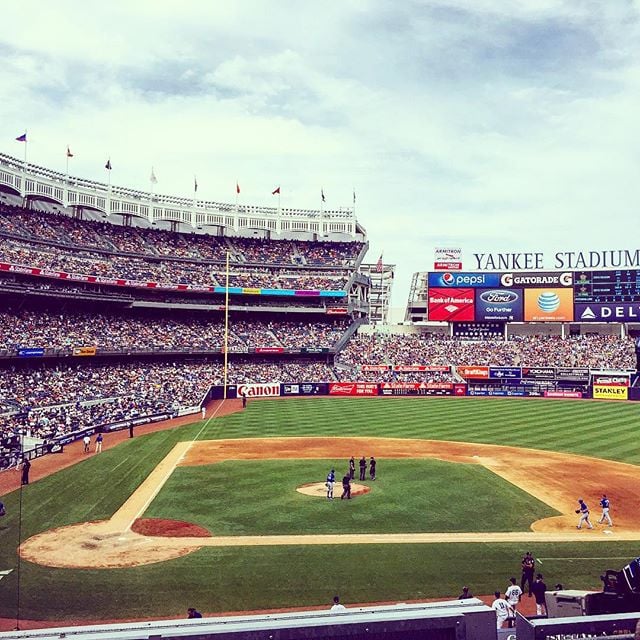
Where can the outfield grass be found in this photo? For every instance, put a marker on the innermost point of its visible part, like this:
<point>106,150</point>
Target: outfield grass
<point>249,578</point>
<point>409,496</point>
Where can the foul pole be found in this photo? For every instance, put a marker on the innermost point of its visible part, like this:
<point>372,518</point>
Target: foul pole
<point>226,328</point>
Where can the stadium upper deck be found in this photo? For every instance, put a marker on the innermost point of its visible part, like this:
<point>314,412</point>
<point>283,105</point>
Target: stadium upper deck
<point>38,184</point>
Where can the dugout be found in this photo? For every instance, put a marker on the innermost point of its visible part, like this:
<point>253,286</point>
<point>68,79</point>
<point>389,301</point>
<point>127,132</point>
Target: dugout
<point>455,620</point>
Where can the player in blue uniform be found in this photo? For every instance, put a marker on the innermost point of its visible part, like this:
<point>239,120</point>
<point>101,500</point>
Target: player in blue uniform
<point>584,514</point>
<point>331,478</point>
<point>604,503</point>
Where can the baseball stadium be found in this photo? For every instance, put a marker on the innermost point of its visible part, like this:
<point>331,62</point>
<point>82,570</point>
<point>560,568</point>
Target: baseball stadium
<point>179,378</point>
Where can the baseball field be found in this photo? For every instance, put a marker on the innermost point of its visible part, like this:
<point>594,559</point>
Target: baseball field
<point>229,514</point>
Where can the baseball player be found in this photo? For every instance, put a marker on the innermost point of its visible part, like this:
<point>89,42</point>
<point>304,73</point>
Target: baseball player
<point>331,478</point>
<point>502,608</point>
<point>513,594</point>
<point>604,503</point>
<point>584,514</point>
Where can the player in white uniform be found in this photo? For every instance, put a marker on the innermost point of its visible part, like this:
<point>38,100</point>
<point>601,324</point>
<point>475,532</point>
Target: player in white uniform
<point>503,610</point>
<point>513,594</point>
<point>604,503</point>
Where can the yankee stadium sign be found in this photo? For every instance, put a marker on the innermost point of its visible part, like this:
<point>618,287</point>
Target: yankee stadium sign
<point>525,261</point>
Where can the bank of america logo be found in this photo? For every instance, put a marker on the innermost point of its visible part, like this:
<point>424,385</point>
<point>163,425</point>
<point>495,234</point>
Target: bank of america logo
<point>588,314</point>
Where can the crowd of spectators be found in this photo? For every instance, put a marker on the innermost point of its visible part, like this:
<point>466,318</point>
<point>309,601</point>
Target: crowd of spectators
<point>593,351</point>
<point>149,241</point>
<point>149,332</point>
<point>146,269</point>
<point>45,402</point>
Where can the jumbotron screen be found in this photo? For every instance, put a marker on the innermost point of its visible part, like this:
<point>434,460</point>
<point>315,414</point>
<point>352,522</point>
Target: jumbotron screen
<point>607,286</point>
<point>581,296</point>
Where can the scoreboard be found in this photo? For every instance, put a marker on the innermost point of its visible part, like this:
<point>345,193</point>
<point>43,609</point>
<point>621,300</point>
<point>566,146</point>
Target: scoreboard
<point>606,286</point>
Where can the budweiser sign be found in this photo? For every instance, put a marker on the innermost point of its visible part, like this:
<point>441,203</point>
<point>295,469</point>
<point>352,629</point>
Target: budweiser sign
<point>353,389</point>
<point>267,390</point>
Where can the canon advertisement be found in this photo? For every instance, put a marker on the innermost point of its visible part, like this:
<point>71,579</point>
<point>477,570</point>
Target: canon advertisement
<point>266,390</point>
<point>505,305</point>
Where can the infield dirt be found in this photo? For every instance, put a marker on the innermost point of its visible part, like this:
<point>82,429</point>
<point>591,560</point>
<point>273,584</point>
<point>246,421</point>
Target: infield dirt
<point>549,476</point>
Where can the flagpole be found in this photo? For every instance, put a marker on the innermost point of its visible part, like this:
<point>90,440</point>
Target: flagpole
<point>235,218</point>
<point>108,167</point>
<point>381,288</point>
<point>226,328</point>
<point>66,181</point>
<point>24,170</point>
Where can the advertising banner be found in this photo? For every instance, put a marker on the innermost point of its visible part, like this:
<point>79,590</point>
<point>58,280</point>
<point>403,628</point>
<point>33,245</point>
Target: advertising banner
<point>84,351</point>
<point>447,259</point>
<point>499,304</point>
<point>548,305</point>
<point>473,372</point>
<point>374,367</point>
<point>407,368</point>
<point>539,373</point>
<point>269,350</point>
<point>30,352</point>
<point>451,305</point>
<point>337,311</point>
<point>314,350</point>
<point>260,390</point>
<point>496,392</point>
<point>505,372</point>
<point>353,388</point>
<point>610,392</point>
<point>611,379</point>
<point>573,373</point>
<point>603,312</point>
<point>447,266</point>
<point>121,282</point>
<point>416,389</point>
<point>563,394</point>
<point>304,389</point>
<point>463,280</point>
<point>537,279</point>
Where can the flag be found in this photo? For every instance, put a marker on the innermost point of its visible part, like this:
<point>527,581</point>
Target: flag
<point>108,165</point>
<point>322,194</point>
<point>276,190</point>
<point>69,154</point>
<point>354,196</point>
<point>237,188</point>
<point>195,184</point>
<point>22,138</point>
<point>379,265</point>
<point>153,178</point>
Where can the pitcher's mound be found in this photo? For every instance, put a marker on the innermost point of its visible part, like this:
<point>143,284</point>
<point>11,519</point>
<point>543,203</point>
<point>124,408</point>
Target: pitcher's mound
<point>168,528</point>
<point>319,490</point>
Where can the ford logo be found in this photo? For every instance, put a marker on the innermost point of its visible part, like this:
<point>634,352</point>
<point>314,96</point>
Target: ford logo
<point>495,296</point>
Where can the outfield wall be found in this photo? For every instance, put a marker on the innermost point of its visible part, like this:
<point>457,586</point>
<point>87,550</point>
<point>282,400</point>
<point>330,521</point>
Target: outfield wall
<point>516,388</point>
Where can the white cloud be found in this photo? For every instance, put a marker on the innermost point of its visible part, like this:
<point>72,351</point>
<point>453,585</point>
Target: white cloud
<point>501,125</point>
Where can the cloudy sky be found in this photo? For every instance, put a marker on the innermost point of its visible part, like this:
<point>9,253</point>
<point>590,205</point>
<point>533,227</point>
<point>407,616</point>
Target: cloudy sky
<point>481,124</point>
